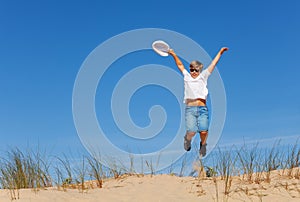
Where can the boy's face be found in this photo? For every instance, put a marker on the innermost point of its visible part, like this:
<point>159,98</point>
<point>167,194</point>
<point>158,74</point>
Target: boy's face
<point>194,72</point>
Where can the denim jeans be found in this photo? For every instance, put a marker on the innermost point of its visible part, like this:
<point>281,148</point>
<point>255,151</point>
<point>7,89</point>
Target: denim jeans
<point>196,118</point>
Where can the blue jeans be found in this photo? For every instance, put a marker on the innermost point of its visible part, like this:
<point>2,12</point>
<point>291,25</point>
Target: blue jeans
<point>196,118</point>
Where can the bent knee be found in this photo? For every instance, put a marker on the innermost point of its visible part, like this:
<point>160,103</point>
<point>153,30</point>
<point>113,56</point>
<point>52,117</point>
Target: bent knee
<point>190,133</point>
<point>203,132</point>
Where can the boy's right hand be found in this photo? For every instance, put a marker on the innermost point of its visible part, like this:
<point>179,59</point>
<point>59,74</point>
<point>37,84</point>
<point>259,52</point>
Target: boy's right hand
<point>171,52</point>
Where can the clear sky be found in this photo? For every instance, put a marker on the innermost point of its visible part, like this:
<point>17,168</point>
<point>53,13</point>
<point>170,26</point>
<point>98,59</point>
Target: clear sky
<point>44,43</point>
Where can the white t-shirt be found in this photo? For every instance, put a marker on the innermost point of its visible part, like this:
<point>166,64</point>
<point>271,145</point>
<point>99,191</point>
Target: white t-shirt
<point>195,87</point>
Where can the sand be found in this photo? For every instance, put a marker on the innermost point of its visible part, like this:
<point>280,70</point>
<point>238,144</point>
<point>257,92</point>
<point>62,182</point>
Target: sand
<point>279,187</point>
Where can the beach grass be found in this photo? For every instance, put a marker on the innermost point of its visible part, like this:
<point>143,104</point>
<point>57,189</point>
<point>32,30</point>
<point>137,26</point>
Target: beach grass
<point>252,164</point>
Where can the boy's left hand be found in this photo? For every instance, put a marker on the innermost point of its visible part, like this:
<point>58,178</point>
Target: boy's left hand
<point>224,49</point>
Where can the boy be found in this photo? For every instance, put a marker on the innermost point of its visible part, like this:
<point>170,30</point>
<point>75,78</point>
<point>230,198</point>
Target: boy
<point>195,94</point>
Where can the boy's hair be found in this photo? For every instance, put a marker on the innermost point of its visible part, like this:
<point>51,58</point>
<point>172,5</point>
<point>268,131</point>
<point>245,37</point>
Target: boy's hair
<point>196,65</point>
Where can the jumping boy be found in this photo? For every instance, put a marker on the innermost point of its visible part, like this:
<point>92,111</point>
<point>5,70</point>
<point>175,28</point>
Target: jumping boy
<point>195,94</point>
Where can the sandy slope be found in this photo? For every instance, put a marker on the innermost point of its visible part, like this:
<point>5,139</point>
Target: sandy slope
<point>171,188</point>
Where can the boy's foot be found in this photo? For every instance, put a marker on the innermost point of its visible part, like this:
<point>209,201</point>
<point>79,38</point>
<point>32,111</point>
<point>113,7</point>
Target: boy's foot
<point>187,144</point>
<point>202,150</point>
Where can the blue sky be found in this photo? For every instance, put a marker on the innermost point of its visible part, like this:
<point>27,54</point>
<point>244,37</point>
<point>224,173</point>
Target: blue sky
<point>43,45</point>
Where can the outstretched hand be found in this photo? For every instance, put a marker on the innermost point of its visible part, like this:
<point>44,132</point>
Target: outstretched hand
<point>171,52</point>
<point>223,50</point>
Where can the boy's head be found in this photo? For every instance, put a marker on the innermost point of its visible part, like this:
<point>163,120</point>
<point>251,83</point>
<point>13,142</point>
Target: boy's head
<point>196,66</point>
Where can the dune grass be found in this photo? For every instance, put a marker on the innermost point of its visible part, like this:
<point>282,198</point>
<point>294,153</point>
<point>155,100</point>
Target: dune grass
<point>254,164</point>
<point>39,170</point>
<point>24,170</point>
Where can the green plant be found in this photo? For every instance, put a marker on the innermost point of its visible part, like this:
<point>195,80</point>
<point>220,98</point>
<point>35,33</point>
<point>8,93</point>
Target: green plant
<point>96,170</point>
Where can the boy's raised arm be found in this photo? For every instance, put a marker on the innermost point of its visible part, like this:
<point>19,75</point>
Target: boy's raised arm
<point>214,62</point>
<point>177,60</point>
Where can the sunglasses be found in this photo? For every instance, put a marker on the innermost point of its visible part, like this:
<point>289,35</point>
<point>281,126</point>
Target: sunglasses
<point>194,70</point>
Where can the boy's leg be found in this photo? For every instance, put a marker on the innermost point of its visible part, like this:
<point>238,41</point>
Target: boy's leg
<point>188,139</point>
<point>203,144</point>
<point>203,136</point>
<point>203,122</point>
<point>191,126</point>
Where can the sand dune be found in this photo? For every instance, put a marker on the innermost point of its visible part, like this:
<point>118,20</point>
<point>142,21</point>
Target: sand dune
<point>171,188</point>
